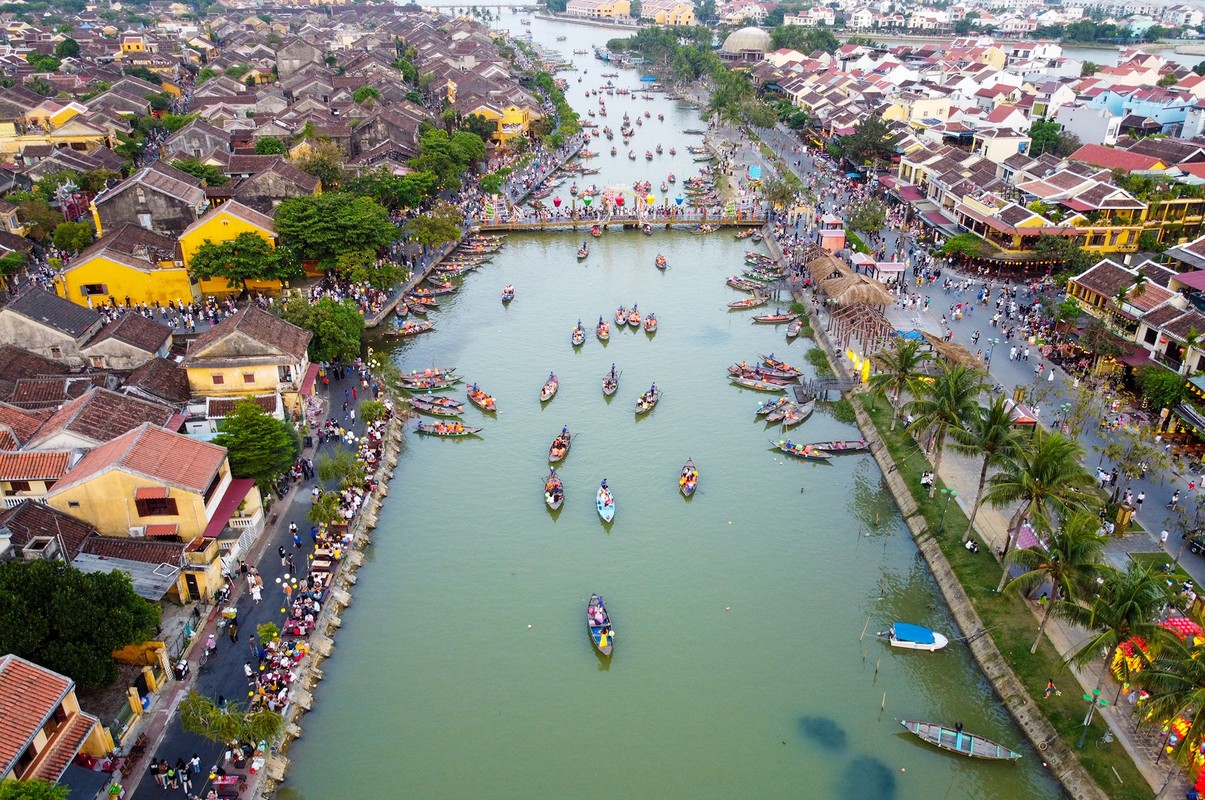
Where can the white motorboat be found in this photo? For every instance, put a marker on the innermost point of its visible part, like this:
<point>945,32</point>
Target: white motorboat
<point>914,637</point>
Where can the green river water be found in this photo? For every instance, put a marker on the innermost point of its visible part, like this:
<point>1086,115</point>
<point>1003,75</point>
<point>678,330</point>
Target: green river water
<point>463,669</point>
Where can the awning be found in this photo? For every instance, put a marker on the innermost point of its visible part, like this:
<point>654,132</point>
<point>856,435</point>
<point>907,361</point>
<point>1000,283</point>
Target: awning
<point>1138,357</point>
<point>150,493</point>
<point>158,530</point>
<point>755,172</point>
<point>938,219</point>
<point>311,375</point>
<point>1190,415</point>
<point>1020,413</point>
<point>889,181</point>
<point>911,193</point>
<point>1026,538</point>
<point>889,266</point>
<point>234,495</point>
<point>912,335</point>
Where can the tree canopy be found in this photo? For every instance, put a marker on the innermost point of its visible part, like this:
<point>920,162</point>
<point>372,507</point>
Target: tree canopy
<point>68,48</point>
<point>804,40</point>
<point>323,160</point>
<point>438,226</point>
<point>324,227</point>
<point>1048,136</point>
<point>206,172</point>
<point>447,157</point>
<point>393,191</point>
<point>73,236</point>
<point>258,445</point>
<point>70,621</point>
<point>270,146</point>
<point>245,257</point>
<point>868,216</point>
<point>872,142</point>
<point>33,790</point>
<point>336,326</point>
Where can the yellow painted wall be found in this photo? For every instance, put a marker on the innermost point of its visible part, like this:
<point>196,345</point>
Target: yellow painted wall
<point>265,380</point>
<point>107,502</point>
<point>167,284</point>
<point>136,46</point>
<point>218,287</point>
<point>217,227</point>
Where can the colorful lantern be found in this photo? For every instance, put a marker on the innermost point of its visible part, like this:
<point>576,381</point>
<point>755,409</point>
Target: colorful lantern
<point>650,199</point>
<point>680,199</point>
<point>587,199</point>
<point>619,202</point>
<point>556,201</point>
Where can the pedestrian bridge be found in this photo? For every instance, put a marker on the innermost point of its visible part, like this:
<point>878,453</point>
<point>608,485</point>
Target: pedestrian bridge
<point>621,221</point>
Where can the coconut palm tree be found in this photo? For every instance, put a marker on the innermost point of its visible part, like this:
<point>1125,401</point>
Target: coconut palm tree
<point>943,404</point>
<point>1176,683</point>
<point>1044,478</point>
<point>1124,606</point>
<point>902,366</point>
<point>992,436</point>
<point>1070,563</point>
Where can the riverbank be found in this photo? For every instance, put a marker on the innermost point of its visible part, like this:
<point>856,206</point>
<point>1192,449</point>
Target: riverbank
<point>593,23</point>
<point>903,38</point>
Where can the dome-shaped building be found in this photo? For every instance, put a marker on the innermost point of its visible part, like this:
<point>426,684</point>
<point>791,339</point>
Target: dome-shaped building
<point>746,44</point>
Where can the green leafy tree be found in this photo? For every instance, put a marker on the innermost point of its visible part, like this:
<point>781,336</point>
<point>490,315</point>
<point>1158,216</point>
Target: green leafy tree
<point>778,191</point>
<point>1064,250</point>
<point>208,173</point>
<point>323,160</point>
<point>1161,387</point>
<point>447,157</point>
<point>247,256</point>
<point>342,469</point>
<point>1070,563</point>
<point>11,264</point>
<point>73,236</point>
<point>804,40</point>
<point>705,10</point>
<point>363,267</point>
<point>326,510</point>
<point>258,445</point>
<point>68,48</point>
<point>1090,68</point>
<point>393,191</point>
<point>270,146</point>
<point>39,219</point>
<point>322,228</point>
<point>1043,136</point>
<point>43,62</point>
<point>1101,342</point>
<point>200,715</point>
<point>366,95</point>
<point>758,114</point>
<point>33,789</point>
<point>372,410</point>
<point>899,370</point>
<point>944,403</point>
<point>237,71</point>
<point>408,70</point>
<point>336,326</point>
<point>435,228</point>
<point>483,127</point>
<point>70,621</point>
<point>206,74</point>
<point>991,436</point>
<point>965,244</point>
<point>868,216</point>
<point>872,143</point>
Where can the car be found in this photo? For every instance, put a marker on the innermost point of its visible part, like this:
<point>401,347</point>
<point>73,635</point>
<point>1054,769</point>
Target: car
<point>1196,544</point>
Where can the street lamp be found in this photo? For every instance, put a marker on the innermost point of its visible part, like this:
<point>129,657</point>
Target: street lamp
<point>949,494</point>
<point>1094,701</point>
<point>991,345</point>
<point>1061,416</point>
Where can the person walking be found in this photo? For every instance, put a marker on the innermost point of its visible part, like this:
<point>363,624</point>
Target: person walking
<point>1163,535</point>
<point>1050,689</point>
<point>1139,500</point>
<point>281,551</point>
<point>256,592</point>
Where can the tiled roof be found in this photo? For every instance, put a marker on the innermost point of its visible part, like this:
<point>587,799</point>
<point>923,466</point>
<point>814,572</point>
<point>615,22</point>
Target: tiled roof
<point>29,520</point>
<point>133,242</point>
<point>32,466</point>
<point>150,551</point>
<point>65,747</point>
<point>102,415</point>
<point>154,453</point>
<point>222,407</point>
<point>257,324</point>
<point>1112,158</point>
<point>46,393</point>
<point>161,378</point>
<point>28,695</point>
<point>53,311</point>
<point>22,422</point>
<point>135,330</point>
<point>1161,316</point>
<point>1106,278</point>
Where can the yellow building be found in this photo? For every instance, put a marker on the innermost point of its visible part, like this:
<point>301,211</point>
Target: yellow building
<point>668,12</point>
<point>152,482</point>
<point>510,121</point>
<point>73,134</point>
<point>129,262</point>
<point>132,43</point>
<point>599,9</point>
<point>223,224</point>
<point>251,353</point>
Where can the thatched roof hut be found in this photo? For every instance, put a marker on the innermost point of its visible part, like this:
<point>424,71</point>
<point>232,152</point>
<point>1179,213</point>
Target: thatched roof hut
<point>951,351</point>
<point>825,267</point>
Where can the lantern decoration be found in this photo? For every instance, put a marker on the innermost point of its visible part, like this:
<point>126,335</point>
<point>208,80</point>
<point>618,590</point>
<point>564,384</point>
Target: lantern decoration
<point>619,202</point>
<point>556,201</point>
<point>1182,627</point>
<point>680,199</point>
<point>650,199</point>
<point>1162,340</point>
<point>587,200</point>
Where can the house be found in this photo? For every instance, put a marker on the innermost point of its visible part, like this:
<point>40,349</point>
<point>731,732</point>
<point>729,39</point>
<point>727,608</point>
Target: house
<point>153,477</point>
<point>158,564</point>
<point>160,380</point>
<point>271,185</point>
<point>223,224</point>
<point>30,530</point>
<point>127,342</point>
<point>27,476</point>
<point>295,54</point>
<point>672,12</point>
<point>96,417</point>
<point>1091,125</point>
<point>196,140</point>
<point>599,9</point>
<point>251,353</point>
<point>160,198</point>
<point>128,262</point>
<point>44,726</point>
<point>998,144</point>
<point>49,326</point>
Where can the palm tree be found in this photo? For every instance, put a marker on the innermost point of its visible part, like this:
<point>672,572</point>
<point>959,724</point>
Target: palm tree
<point>1069,562</point>
<point>1043,477</point>
<point>1125,605</point>
<point>943,404</point>
<point>901,371</point>
<point>1176,683</point>
<point>991,435</point>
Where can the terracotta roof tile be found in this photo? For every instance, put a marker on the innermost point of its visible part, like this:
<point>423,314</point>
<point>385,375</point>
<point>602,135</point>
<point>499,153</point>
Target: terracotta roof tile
<point>160,378</point>
<point>49,393</point>
<point>64,747</point>
<point>134,330</point>
<point>16,363</point>
<point>1106,278</point>
<point>148,552</point>
<point>155,453</point>
<point>23,423</point>
<point>272,331</point>
<point>28,695</point>
<point>101,415</point>
<point>29,519</point>
<point>33,466</point>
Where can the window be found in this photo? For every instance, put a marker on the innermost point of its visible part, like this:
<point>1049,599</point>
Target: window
<point>73,504</point>
<point>156,507</point>
<point>89,289</point>
<point>218,380</point>
<point>248,377</point>
<point>145,221</point>
<point>56,352</point>
<point>1151,335</point>
<point>98,362</point>
<point>213,487</point>
<point>18,486</point>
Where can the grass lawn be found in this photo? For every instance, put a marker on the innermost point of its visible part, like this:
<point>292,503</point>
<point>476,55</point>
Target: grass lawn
<point>1012,624</point>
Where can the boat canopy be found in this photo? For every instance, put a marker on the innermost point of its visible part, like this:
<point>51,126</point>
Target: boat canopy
<point>906,632</point>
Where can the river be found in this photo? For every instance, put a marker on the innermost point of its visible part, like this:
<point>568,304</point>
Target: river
<point>463,670</point>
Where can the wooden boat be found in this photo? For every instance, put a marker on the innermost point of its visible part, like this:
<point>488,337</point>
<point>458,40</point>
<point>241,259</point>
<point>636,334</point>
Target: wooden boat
<point>769,407</point>
<point>560,446</point>
<point>794,328</point>
<point>840,447</point>
<point>578,335</point>
<point>771,362</point>
<point>416,309</point>
<point>805,452</point>
<point>598,625</point>
<point>439,288</point>
<point>443,401</point>
<point>914,637</point>
<point>745,284</point>
<point>777,414</point>
<point>582,251</point>
<point>508,293</point>
<point>596,231</point>
<point>750,302</point>
<point>554,490</point>
<point>423,407</point>
<point>480,399</point>
<point>660,262</point>
<point>410,329</point>
<point>744,234</point>
<point>602,330</point>
<point>650,323</point>
<point>796,415</point>
<point>758,386</point>
<point>647,229</point>
<point>777,318</point>
<point>704,228</point>
<point>550,387</point>
<point>647,401</point>
<point>610,382</point>
<point>430,384</point>
<point>762,377</point>
<point>415,376</point>
<point>961,742</point>
<point>634,317</point>
<point>453,429</point>
<point>422,300</point>
<point>605,502</point>
<point>621,317</point>
<point>689,479</point>
<point>743,370</point>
